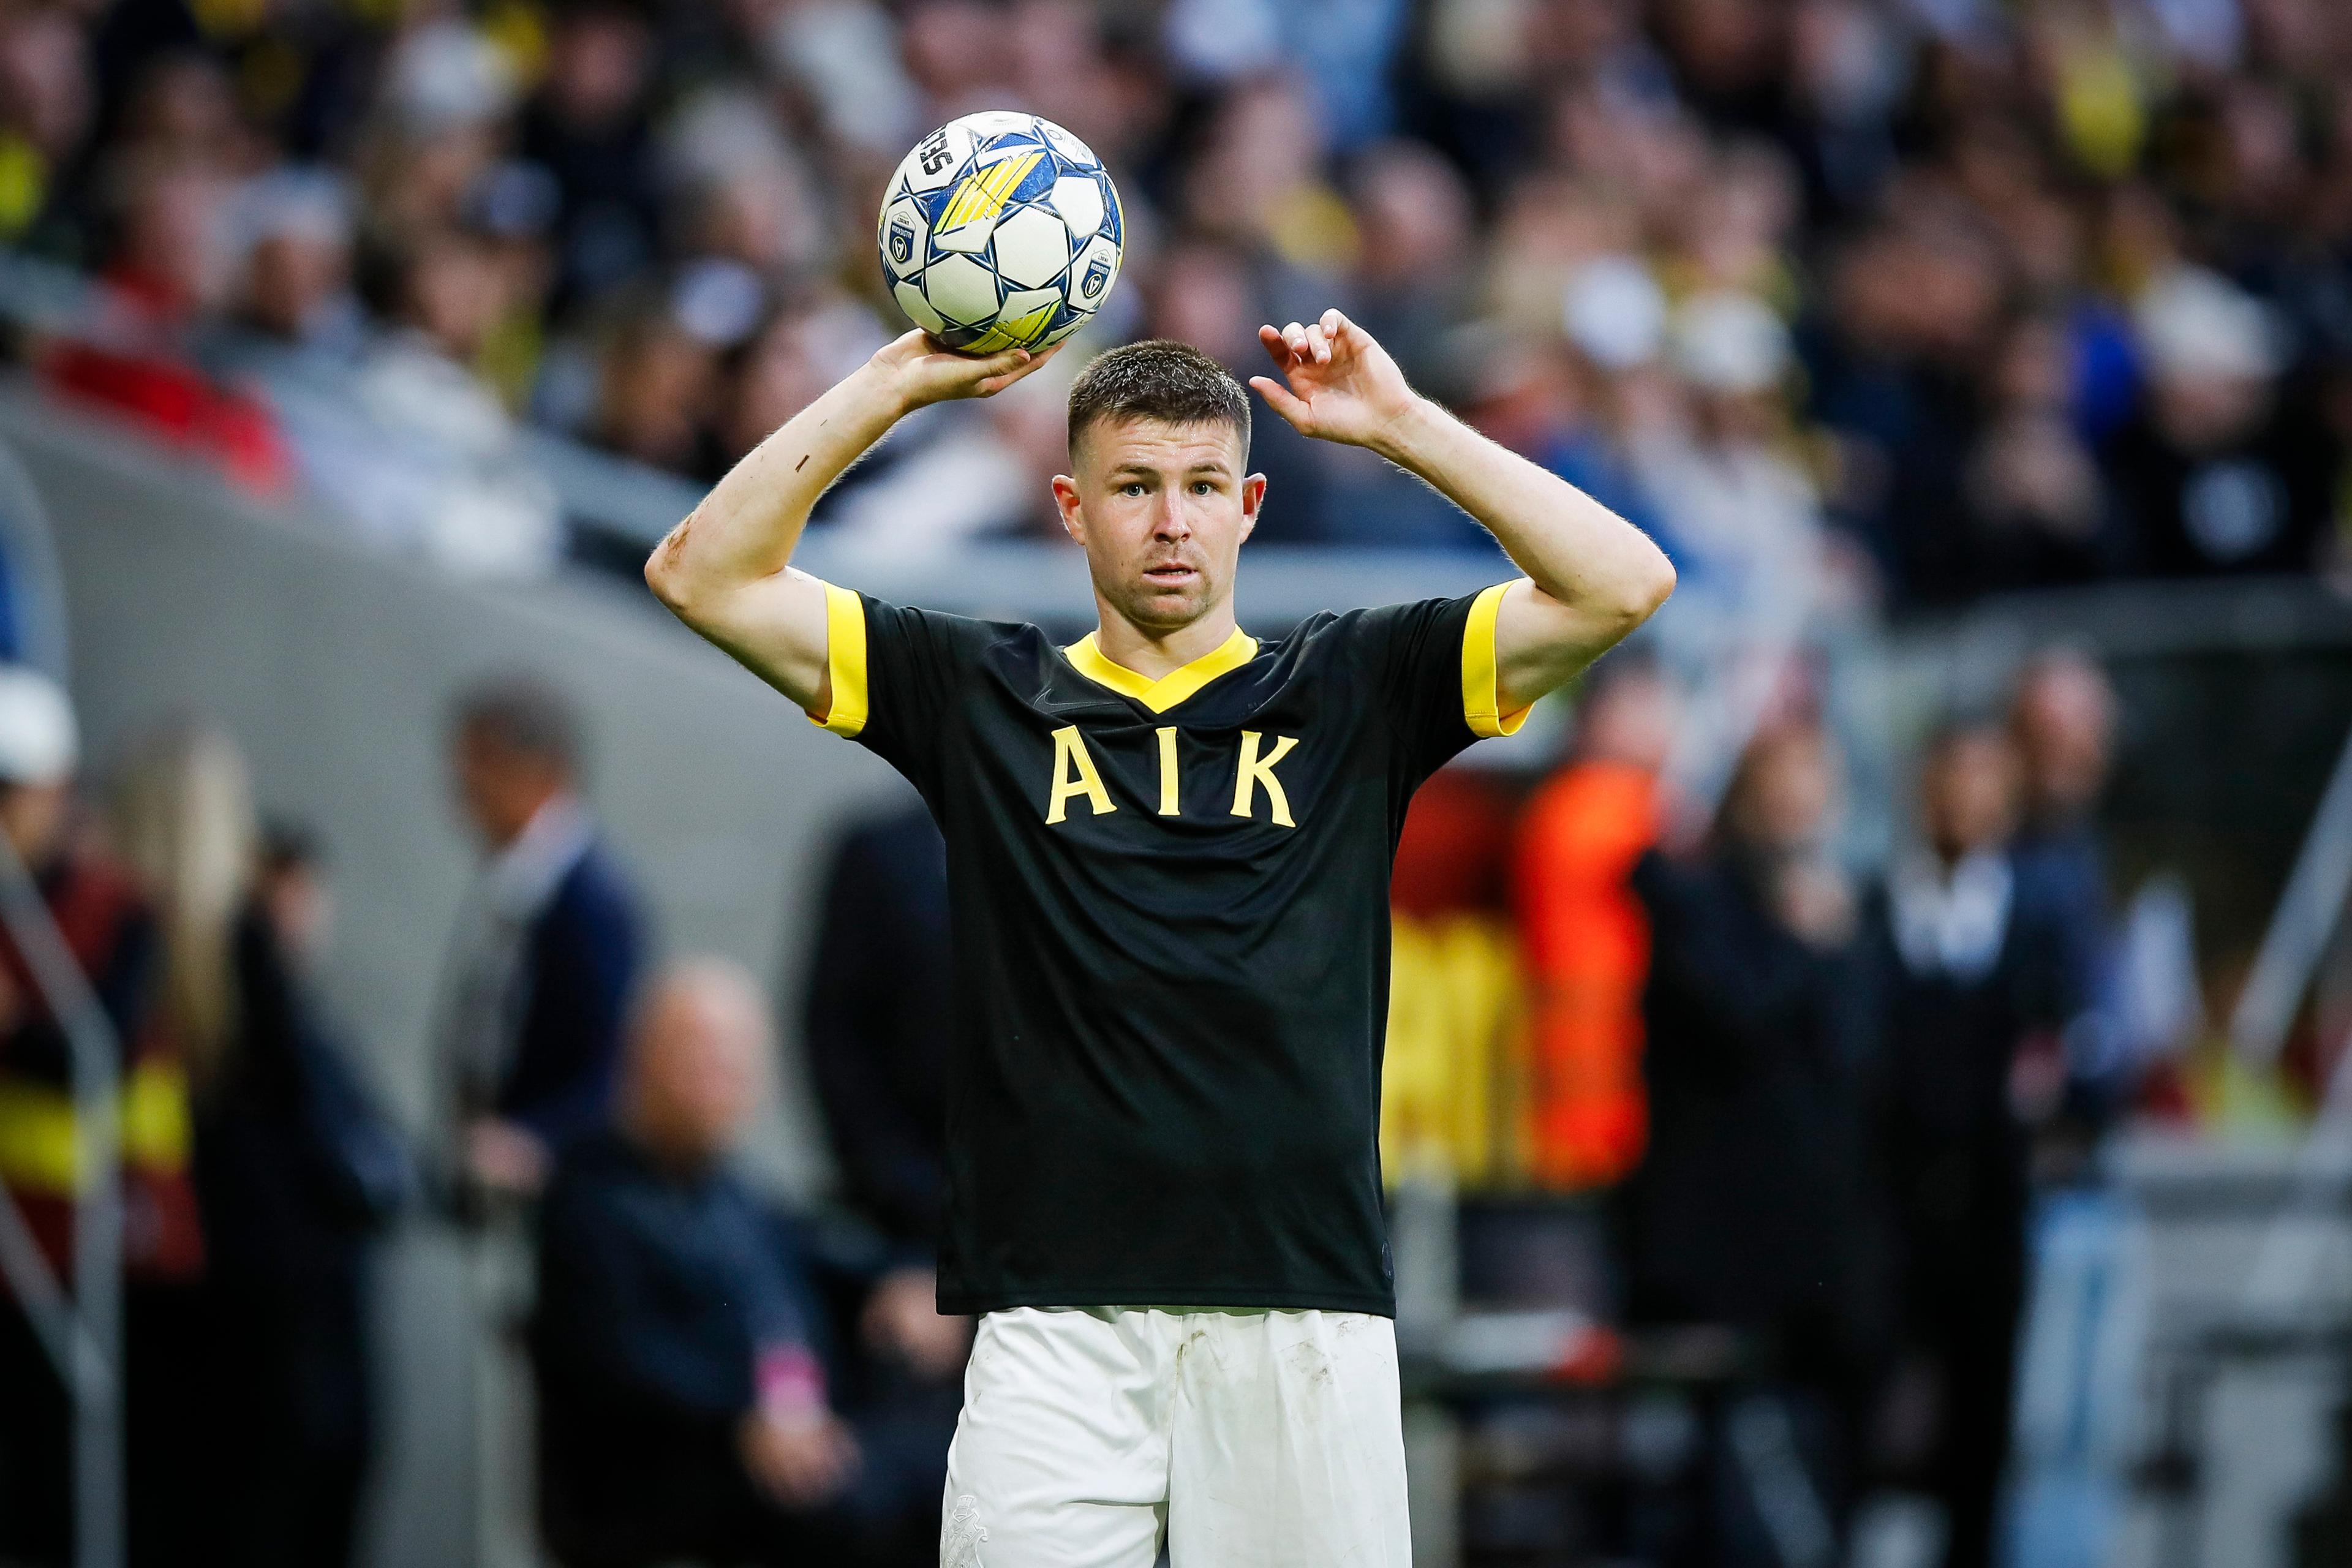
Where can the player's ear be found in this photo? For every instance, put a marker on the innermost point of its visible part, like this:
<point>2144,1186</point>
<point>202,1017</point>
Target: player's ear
<point>1065,499</point>
<point>1252,498</point>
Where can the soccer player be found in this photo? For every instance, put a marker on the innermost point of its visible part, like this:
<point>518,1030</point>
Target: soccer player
<point>1169,847</point>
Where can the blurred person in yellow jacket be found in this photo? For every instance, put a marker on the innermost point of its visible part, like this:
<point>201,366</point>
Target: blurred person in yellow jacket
<point>108,930</point>
<point>1584,939</point>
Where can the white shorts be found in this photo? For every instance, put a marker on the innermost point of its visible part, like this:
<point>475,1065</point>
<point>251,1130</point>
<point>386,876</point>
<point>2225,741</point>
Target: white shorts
<point>1256,1440</point>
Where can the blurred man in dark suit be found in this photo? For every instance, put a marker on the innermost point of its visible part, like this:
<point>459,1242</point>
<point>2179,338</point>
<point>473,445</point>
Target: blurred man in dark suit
<point>547,949</point>
<point>1758,1204</point>
<point>1979,989</point>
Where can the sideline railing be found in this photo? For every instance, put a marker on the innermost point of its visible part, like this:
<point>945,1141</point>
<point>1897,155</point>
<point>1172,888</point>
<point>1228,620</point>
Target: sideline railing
<point>81,1331</point>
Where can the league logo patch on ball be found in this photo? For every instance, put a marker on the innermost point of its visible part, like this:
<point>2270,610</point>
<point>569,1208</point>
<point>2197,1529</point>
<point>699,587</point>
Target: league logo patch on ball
<point>1000,231</point>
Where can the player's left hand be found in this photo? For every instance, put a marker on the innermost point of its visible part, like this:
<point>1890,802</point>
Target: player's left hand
<point>1337,382</point>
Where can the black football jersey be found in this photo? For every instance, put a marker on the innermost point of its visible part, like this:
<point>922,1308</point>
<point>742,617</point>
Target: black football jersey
<point>1170,913</point>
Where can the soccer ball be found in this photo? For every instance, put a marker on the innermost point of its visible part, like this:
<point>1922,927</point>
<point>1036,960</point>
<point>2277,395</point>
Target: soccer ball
<point>999,230</point>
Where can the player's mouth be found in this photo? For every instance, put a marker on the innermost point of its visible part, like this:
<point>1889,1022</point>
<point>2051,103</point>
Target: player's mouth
<point>1169,573</point>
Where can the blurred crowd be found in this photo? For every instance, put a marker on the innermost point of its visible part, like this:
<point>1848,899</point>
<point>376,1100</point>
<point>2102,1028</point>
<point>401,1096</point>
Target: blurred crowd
<point>252,1163</point>
<point>715,1379</point>
<point>1824,1113</point>
<point>1860,306</point>
<point>1852,302</point>
<point>1855,1088</point>
<point>1835,1110</point>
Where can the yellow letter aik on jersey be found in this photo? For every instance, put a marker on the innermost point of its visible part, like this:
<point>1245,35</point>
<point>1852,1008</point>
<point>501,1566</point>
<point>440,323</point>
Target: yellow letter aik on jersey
<point>1075,774</point>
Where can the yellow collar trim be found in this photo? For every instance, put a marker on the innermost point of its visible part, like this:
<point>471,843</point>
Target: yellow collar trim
<point>1171,689</point>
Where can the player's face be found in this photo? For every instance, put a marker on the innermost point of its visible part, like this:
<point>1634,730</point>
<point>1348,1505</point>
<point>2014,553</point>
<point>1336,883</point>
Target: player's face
<point>1161,511</point>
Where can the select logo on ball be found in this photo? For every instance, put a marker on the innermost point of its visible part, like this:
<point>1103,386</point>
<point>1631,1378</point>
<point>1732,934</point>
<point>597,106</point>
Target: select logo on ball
<point>902,241</point>
<point>1097,274</point>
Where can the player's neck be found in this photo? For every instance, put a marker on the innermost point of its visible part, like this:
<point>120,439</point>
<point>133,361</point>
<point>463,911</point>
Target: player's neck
<point>1154,653</point>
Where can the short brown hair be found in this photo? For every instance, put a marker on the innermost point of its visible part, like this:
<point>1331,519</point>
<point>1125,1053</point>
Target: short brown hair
<point>522,715</point>
<point>1157,379</point>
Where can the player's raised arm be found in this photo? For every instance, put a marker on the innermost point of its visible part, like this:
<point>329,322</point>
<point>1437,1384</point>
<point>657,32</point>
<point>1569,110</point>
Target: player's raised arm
<point>726,571</point>
<point>1593,576</point>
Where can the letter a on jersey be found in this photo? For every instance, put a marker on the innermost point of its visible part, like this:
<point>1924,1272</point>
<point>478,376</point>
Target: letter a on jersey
<point>1074,775</point>
<point>1256,771</point>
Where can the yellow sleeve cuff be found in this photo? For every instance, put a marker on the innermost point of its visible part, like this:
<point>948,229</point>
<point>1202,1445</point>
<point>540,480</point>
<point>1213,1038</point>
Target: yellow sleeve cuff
<point>1482,701</point>
<point>844,661</point>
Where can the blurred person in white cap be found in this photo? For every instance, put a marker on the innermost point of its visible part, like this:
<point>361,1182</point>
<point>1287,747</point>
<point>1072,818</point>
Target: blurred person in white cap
<point>2219,473</point>
<point>1615,314</point>
<point>112,939</point>
<point>294,231</point>
<point>1733,503</point>
<point>40,747</point>
<point>1550,397</point>
<point>444,99</point>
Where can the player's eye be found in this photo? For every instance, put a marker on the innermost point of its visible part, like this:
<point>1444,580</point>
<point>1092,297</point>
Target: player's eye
<point>1203,487</point>
<point>1132,488</point>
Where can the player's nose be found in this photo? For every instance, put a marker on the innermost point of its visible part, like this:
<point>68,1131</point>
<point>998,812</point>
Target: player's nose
<point>1169,521</point>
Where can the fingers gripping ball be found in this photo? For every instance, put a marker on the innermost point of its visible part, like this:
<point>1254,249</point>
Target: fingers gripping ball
<point>1000,231</point>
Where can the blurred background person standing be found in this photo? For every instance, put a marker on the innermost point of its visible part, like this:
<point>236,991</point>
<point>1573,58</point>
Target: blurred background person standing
<point>112,937</point>
<point>1584,934</point>
<point>2062,721</point>
<point>1757,1207</point>
<point>294,1168</point>
<point>2071,1471</point>
<point>547,949</point>
<point>1977,993</point>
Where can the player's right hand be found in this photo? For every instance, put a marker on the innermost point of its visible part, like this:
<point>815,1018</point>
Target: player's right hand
<point>923,372</point>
